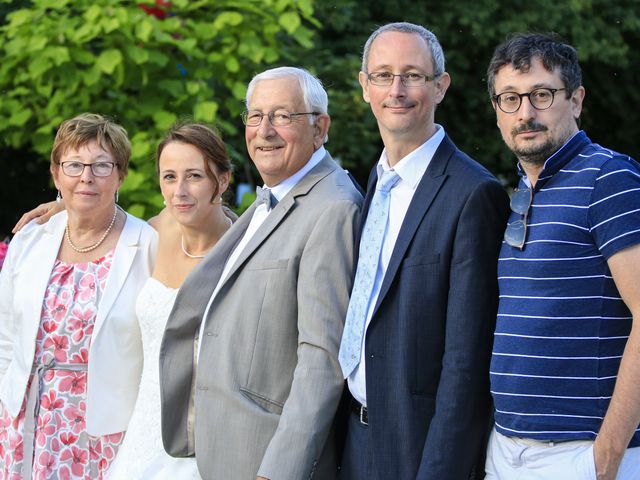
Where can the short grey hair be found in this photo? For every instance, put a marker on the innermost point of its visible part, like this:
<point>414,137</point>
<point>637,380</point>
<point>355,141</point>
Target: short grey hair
<point>437,55</point>
<point>313,93</point>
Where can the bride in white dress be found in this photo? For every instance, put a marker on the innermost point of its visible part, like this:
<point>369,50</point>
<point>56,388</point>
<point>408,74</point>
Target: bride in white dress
<point>194,171</point>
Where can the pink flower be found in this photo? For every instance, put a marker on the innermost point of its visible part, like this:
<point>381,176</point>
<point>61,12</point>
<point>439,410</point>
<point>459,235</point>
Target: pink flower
<point>80,357</point>
<point>50,402</point>
<point>79,458</point>
<point>60,346</point>
<point>4,246</point>
<point>44,466</point>
<point>74,382</point>
<point>64,473</point>
<point>86,288</point>
<point>57,305</point>
<point>46,428</point>
<point>80,323</point>
<point>68,438</point>
<point>15,445</point>
<point>75,416</point>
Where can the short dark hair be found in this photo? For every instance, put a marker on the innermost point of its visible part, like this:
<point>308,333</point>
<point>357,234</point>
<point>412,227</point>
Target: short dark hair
<point>207,141</point>
<point>520,49</point>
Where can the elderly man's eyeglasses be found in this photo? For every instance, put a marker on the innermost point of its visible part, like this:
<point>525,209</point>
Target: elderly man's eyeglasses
<point>540,98</point>
<point>277,118</point>
<point>410,79</point>
<point>516,232</point>
<point>99,169</point>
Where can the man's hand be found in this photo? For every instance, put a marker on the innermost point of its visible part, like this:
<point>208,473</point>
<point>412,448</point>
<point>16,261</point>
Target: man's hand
<point>42,213</point>
<point>262,478</point>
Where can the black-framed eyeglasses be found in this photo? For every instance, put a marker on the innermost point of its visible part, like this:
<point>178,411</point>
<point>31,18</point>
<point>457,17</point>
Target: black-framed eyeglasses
<point>277,118</point>
<point>409,79</point>
<point>516,233</point>
<point>540,99</point>
<point>99,169</point>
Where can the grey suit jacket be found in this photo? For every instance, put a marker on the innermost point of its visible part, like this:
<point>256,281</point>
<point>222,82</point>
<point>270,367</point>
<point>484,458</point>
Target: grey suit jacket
<point>268,380</point>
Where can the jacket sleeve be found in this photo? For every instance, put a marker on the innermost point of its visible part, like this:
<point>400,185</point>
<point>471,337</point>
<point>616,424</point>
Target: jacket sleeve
<point>324,282</point>
<point>454,441</point>
<point>6,318</point>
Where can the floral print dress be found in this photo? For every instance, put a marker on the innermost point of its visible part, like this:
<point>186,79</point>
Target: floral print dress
<point>62,448</point>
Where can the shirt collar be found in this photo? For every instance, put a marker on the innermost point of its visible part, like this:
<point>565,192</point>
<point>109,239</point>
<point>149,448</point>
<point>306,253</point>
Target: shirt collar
<point>559,159</point>
<point>411,168</point>
<point>280,190</point>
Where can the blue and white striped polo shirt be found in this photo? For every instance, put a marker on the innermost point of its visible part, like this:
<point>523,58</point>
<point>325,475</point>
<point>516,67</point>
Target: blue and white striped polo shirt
<point>562,326</point>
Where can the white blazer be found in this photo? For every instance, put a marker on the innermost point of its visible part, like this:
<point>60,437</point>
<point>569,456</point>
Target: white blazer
<point>115,352</point>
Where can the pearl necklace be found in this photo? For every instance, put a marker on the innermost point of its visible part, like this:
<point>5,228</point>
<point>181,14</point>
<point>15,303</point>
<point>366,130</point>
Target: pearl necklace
<point>184,250</point>
<point>99,242</point>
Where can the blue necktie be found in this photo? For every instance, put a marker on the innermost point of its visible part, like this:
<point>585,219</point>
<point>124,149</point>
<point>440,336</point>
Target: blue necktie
<point>368,260</point>
<point>264,195</point>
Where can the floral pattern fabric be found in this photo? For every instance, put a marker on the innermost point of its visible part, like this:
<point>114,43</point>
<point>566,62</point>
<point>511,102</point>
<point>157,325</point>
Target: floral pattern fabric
<point>62,449</point>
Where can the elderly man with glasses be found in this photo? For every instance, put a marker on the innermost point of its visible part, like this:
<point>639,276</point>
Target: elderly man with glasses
<point>261,316</point>
<point>418,330</point>
<point>565,370</point>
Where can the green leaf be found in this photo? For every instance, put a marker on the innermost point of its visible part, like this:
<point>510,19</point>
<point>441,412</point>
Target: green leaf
<point>232,64</point>
<point>83,56</point>
<point>59,55</point>
<point>110,24</point>
<point>143,30</point>
<point>290,21</point>
<point>136,209</point>
<point>132,181</point>
<point>227,18</point>
<point>193,88</point>
<point>20,117</point>
<point>239,90</point>
<point>37,43</point>
<point>38,66</point>
<point>109,60</point>
<point>139,55</point>
<point>205,111</point>
<point>164,120</point>
<point>92,76</point>
<point>93,13</point>
<point>19,17</point>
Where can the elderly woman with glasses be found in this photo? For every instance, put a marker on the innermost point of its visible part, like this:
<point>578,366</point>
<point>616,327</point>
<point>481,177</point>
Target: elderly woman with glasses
<point>70,348</point>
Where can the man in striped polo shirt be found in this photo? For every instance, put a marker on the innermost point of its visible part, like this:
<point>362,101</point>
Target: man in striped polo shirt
<point>565,369</point>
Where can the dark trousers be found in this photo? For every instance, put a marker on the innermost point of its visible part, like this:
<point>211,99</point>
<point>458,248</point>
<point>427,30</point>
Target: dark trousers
<point>357,457</point>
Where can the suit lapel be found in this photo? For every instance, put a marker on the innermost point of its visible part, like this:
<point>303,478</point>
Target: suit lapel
<point>41,260</point>
<point>126,249</point>
<point>282,209</point>
<point>427,190</point>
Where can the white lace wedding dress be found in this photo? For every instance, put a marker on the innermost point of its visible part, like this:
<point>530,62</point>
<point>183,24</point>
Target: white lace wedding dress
<point>142,456</point>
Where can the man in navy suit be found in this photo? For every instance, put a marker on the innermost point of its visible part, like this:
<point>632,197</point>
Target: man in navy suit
<point>418,333</point>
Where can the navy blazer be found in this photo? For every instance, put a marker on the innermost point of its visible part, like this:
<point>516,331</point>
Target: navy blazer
<point>428,344</point>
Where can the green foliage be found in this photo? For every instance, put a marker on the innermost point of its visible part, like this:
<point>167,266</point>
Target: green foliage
<point>605,32</point>
<point>61,58</point>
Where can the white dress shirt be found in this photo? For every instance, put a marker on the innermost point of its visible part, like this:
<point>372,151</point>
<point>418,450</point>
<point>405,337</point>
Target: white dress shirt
<point>259,216</point>
<point>410,169</point>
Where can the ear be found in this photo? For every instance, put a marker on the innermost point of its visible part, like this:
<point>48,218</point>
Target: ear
<point>364,83</point>
<point>223,182</point>
<point>55,173</point>
<point>320,129</point>
<point>577,97</point>
<point>441,84</point>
